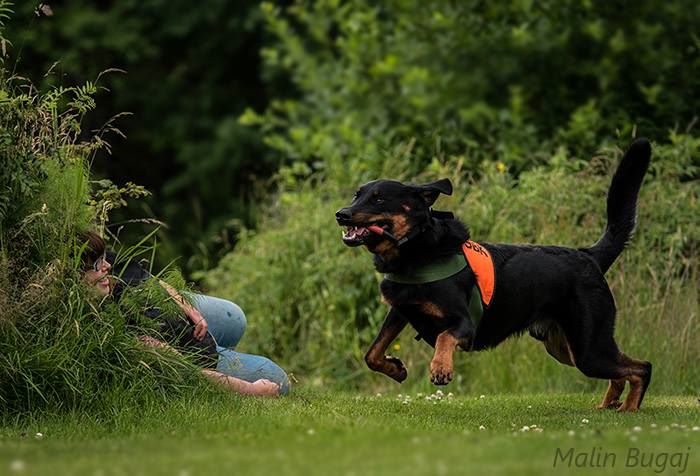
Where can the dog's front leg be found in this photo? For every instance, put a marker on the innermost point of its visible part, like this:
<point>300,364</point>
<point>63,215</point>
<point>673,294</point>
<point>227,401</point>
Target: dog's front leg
<point>447,341</point>
<point>394,323</point>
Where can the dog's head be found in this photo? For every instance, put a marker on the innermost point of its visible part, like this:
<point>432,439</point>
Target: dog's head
<point>383,213</point>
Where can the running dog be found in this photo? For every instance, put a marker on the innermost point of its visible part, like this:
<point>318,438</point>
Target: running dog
<point>459,294</point>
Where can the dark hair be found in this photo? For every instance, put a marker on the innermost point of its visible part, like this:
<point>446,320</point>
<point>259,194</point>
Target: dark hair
<point>94,247</point>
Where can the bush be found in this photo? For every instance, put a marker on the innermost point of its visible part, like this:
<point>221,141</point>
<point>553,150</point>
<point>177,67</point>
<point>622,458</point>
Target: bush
<point>315,304</point>
<point>525,106</point>
<point>59,350</point>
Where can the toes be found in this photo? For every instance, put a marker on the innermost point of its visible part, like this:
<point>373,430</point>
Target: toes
<point>625,408</point>
<point>441,378</point>
<point>609,405</point>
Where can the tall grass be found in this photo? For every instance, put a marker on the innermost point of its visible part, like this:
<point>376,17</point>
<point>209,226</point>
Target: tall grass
<point>61,348</point>
<point>314,304</point>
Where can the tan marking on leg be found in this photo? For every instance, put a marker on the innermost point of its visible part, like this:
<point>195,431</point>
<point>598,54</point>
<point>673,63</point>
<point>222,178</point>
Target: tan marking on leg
<point>637,374</point>
<point>432,309</point>
<point>631,403</point>
<point>558,347</point>
<point>441,365</point>
<point>611,399</point>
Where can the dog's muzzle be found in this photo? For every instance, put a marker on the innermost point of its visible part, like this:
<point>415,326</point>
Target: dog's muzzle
<point>354,234</point>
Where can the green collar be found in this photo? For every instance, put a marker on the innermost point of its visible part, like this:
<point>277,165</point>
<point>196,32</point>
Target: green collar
<point>431,272</point>
<point>441,270</point>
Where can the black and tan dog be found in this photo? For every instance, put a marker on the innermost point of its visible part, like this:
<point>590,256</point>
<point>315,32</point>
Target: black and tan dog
<point>558,294</point>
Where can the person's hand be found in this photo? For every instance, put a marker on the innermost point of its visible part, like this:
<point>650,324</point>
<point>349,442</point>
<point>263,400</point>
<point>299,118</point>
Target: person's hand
<point>263,387</point>
<point>200,324</point>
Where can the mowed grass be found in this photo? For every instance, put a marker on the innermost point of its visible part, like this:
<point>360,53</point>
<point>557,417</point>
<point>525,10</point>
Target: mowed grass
<point>328,433</point>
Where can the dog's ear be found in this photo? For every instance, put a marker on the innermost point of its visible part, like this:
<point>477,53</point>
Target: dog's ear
<point>431,191</point>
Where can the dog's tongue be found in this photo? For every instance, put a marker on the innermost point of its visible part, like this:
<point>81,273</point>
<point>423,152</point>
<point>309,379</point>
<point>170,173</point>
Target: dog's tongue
<point>355,232</point>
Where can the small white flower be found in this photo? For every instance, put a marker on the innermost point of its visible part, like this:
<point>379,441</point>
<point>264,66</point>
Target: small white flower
<point>571,433</point>
<point>637,429</point>
<point>584,421</point>
<point>653,425</point>
<point>378,395</point>
<point>39,436</point>
<point>696,428</point>
<point>525,428</point>
<point>17,466</point>
<point>533,426</point>
<point>450,395</point>
<point>529,407</point>
<point>482,396</point>
<point>482,427</point>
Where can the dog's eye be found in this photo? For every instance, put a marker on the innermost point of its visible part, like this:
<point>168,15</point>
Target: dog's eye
<point>376,199</point>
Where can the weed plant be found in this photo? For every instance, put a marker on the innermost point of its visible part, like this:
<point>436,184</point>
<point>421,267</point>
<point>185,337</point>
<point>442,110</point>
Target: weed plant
<point>61,349</point>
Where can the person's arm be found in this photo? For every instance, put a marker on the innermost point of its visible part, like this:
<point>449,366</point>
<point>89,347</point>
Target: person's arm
<point>200,324</point>
<point>261,387</point>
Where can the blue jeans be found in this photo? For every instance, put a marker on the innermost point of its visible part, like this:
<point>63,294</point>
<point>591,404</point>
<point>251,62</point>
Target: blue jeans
<point>227,324</point>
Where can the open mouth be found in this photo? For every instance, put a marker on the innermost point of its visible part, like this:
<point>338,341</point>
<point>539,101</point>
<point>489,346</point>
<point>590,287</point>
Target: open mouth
<point>356,235</point>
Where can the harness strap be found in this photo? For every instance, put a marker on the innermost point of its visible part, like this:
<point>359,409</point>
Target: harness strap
<point>479,260</point>
<point>431,272</point>
<point>482,266</point>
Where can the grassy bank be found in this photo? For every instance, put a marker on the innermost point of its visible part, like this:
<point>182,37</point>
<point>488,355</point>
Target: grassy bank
<point>326,433</point>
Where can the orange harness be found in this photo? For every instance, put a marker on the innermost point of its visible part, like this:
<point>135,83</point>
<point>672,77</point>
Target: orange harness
<point>481,263</point>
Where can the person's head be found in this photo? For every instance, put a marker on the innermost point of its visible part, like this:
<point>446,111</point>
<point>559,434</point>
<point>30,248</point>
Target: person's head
<point>94,265</point>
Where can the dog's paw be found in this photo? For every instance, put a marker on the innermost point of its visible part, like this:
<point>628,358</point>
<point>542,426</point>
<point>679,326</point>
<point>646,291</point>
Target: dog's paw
<point>440,374</point>
<point>610,405</point>
<point>395,368</point>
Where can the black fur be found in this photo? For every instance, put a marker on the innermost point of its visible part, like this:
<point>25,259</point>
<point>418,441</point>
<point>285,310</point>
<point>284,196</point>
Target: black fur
<point>557,294</point>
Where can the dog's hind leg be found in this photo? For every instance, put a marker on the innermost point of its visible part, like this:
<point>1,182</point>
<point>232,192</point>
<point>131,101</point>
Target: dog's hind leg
<point>602,360</point>
<point>557,346</point>
<point>639,379</point>
<point>612,395</point>
<point>589,332</point>
<point>393,324</point>
<point>596,362</point>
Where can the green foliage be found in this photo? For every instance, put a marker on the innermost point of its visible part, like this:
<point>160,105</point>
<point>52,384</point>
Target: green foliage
<point>315,304</point>
<point>59,349</point>
<point>187,72</point>
<point>510,100</point>
<point>507,81</point>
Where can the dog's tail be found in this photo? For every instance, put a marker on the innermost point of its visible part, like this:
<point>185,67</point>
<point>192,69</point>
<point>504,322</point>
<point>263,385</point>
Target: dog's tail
<point>622,204</point>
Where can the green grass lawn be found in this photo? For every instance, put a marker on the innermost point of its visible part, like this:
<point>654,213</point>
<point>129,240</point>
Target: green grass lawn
<point>344,434</point>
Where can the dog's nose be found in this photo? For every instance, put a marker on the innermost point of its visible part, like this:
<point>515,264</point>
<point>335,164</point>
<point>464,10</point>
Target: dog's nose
<point>343,214</point>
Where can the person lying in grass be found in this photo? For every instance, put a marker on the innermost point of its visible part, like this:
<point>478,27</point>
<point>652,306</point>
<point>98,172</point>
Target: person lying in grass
<point>210,327</point>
